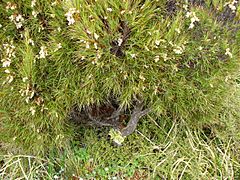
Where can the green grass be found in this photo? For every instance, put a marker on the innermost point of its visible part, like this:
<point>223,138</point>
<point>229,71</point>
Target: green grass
<point>157,150</point>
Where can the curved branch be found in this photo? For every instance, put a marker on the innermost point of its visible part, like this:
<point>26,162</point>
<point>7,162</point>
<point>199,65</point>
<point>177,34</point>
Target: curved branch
<point>135,117</point>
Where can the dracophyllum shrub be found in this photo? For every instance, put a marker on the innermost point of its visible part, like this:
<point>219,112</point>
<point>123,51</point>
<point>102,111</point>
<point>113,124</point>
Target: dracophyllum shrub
<point>172,59</point>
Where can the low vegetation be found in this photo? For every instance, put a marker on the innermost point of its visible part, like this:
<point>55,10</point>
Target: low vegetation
<point>119,89</point>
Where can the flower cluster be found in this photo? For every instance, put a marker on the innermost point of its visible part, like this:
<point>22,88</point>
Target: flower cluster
<point>42,53</point>
<point>232,5</point>
<point>11,6</point>
<point>18,20</point>
<point>33,4</point>
<point>179,49</point>
<point>6,62</point>
<point>28,92</point>
<point>228,53</point>
<point>193,17</point>
<point>70,14</point>
<point>59,46</point>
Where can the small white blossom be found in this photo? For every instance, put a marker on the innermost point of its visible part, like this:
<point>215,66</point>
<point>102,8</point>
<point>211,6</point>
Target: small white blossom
<point>156,59</point>
<point>10,6</point>
<point>178,50</point>
<point>228,53</point>
<point>7,71</point>
<point>24,79</point>
<point>34,13</point>
<point>33,3</point>
<point>157,42</point>
<point>164,56</point>
<point>43,52</point>
<point>88,32</point>
<point>11,17</point>
<point>6,63</point>
<point>59,46</point>
<point>95,46</point>
<point>193,17</point>
<point>30,41</point>
<point>18,25</point>
<point>109,9</point>
<point>142,77</point>
<point>9,79</point>
<point>178,30</point>
<point>54,3</point>
<point>122,12</point>
<point>69,15</point>
<point>32,110</point>
<point>232,5</point>
<point>120,41</point>
<point>0,25</point>
<point>133,55</point>
<point>19,18</point>
<point>87,45</point>
<point>96,36</point>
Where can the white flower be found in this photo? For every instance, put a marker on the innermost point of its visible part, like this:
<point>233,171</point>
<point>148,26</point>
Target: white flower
<point>109,9</point>
<point>87,45</point>
<point>10,6</point>
<point>178,30</point>
<point>232,5</point>
<point>120,41</point>
<point>157,42</point>
<point>193,17</point>
<point>24,79</point>
<point>11,17</point>
<point>59,46</point>
<point>0,25</point>
<point>32,110</point>
<point>164,56</point>
<point>54,3</point>
<point>33,3</point>
<point>69,15</point>
<point>95,46</point>
<point>133,55</point>
<point>122,12</point>
<point>19,18</point>
<point>18,25</point>
<point>70,20</point>
<point>9,79</point>
<point>30,41</point>
<point>6,63</point>
<point>96,36</point>
<point>142,77</point>
<point>156,59</point>
<point>34,13</point>
<point>178,50</point>
<point>7,71</point>
<point>43,52</point>
<point>228,53</point>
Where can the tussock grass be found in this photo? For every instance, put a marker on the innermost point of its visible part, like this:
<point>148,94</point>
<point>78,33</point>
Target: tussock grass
<point>180,60</point>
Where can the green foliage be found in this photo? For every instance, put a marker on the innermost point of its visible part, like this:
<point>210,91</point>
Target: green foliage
<point>55,54</point>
